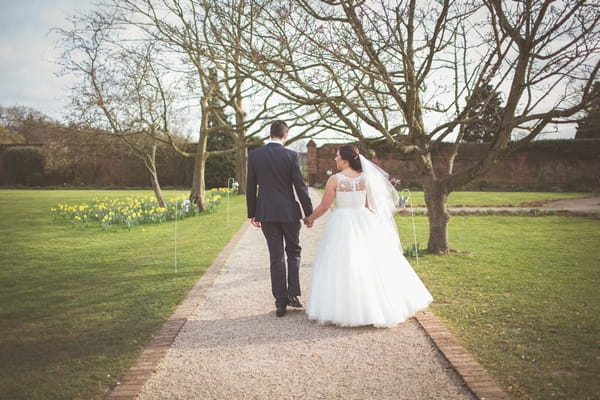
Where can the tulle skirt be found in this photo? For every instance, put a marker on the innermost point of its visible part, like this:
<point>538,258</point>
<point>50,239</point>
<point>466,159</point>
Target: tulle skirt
<point>360,276</point>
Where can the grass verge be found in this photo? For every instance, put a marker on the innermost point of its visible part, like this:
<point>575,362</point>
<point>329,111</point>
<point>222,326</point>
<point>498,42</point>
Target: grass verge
<point>498,199</point>
<point>77,305</point>
<point>524,299</point>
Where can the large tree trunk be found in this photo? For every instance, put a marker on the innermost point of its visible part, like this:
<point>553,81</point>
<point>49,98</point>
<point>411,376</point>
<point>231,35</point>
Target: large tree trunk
<point>241,156</point>
<point>436,195</point>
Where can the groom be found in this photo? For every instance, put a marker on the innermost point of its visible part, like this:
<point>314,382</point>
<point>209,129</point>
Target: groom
<point>276,172</point>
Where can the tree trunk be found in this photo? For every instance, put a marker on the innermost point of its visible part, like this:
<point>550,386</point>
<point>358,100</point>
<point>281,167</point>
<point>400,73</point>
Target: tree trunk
<point>241,158</point>
<point>157,190</point>
<point>436,195</point>
<point>150,163</point>
<point>241,168</point>
<point>198,194</point>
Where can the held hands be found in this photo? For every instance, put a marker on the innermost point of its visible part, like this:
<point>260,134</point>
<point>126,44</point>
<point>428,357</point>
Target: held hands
<point>308,221</point>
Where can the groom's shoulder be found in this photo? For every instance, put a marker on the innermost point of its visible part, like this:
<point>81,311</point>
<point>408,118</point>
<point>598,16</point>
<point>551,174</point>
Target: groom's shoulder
<point>278,151</point>
<point>272,148</point>
<point>290,151</point>
<point>257,151</point>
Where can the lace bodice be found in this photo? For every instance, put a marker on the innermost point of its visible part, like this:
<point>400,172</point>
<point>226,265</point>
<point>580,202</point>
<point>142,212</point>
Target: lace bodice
<point>350,192</point>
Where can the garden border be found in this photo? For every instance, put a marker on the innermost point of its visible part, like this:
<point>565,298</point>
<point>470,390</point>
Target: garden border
<point>472,373</point>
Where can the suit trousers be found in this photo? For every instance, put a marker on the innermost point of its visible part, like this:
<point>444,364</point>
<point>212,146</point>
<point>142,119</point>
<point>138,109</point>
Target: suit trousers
<point>283,239</point>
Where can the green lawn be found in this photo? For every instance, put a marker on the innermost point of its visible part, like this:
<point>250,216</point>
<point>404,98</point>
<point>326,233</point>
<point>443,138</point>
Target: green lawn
<point>77,305</point>
<point>509,199</point>
<point>524,300</point>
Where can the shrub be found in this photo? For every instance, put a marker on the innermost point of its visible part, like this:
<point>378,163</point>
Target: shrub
<point>483,185</point>
<point>35,179</point>
<point>413,250</point>
<point>23,165</point>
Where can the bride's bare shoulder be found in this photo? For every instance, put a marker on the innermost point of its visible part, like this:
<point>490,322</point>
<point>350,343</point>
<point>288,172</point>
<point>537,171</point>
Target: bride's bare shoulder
<point>332,180</point>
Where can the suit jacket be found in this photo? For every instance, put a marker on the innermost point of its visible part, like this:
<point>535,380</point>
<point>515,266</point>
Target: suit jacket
<point>273,174</point>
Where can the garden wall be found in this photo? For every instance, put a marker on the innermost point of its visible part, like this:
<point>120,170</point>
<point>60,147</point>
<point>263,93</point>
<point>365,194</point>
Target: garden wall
<point>98,168</point>
<point>572,165</point>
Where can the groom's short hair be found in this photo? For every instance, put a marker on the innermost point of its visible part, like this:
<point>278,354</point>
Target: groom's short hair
<point>278,129</point>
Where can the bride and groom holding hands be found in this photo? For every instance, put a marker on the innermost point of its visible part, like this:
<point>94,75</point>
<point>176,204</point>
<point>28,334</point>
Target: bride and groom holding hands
<point>360,275</point>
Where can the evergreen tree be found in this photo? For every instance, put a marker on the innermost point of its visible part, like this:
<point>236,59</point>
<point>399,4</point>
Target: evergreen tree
<point>219,167</point>
<point>589,127</point>
<point>485,112</point>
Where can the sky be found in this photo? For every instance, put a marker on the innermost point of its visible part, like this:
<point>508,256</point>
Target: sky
<point>28,53</point>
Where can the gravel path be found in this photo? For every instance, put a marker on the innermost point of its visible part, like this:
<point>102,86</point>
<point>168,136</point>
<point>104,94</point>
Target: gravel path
<point>233,346</point>
<point>584,205</point>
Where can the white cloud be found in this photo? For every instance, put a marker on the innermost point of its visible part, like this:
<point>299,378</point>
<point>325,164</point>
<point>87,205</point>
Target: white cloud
<point>28,53</point>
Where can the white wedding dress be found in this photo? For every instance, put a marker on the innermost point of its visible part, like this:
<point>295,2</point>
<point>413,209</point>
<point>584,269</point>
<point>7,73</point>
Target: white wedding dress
<point>360,275</point>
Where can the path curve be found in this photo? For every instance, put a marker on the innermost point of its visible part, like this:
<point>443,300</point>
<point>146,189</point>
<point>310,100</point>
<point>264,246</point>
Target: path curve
<point>583,205</point>
<point>586,206</point>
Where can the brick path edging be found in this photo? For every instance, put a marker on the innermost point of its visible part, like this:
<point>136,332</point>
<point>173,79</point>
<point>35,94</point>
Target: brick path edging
<point>474,376</point>
<point>472,373</point>
<point>134,379</point>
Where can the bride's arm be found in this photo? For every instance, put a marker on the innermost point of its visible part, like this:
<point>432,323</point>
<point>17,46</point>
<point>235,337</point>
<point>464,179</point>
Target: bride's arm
<point>326,201</point>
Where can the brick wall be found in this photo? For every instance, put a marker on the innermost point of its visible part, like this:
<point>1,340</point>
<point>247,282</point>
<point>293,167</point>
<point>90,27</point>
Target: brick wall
<point>549,165</point>
<point>544,165</point>
<point>110,171</point>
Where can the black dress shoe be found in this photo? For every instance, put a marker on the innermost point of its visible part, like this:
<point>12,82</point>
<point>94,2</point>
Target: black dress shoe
<point>294,302</point>
<point>281,310</point>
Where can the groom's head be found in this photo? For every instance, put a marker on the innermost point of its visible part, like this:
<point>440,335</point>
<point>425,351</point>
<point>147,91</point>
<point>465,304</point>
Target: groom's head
<point>279,130</point>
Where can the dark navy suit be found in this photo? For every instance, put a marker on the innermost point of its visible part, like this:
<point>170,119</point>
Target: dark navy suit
<point>273,174</point>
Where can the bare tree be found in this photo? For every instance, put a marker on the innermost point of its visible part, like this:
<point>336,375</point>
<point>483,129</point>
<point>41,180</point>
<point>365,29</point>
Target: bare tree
<point>27,124</point>
<point>134,71</point>
<point>198,42</point>
<point>206,36</point>
<point>68,153</point>
<point>121,90</point>
<point>10,137</point>
<point>408,71</point>
<point>252,105</point>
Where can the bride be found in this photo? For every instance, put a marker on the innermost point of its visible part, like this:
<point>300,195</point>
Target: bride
<point>360,275</point>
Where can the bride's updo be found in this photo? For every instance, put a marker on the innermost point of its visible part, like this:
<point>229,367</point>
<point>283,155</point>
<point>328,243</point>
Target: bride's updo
<point>350,153</point>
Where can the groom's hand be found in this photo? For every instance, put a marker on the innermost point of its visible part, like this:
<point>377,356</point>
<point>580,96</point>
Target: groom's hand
<point>255,222</point>
<point>308,222</point>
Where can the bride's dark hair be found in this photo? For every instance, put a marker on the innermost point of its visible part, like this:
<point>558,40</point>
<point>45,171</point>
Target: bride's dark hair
<point>350,153</point>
